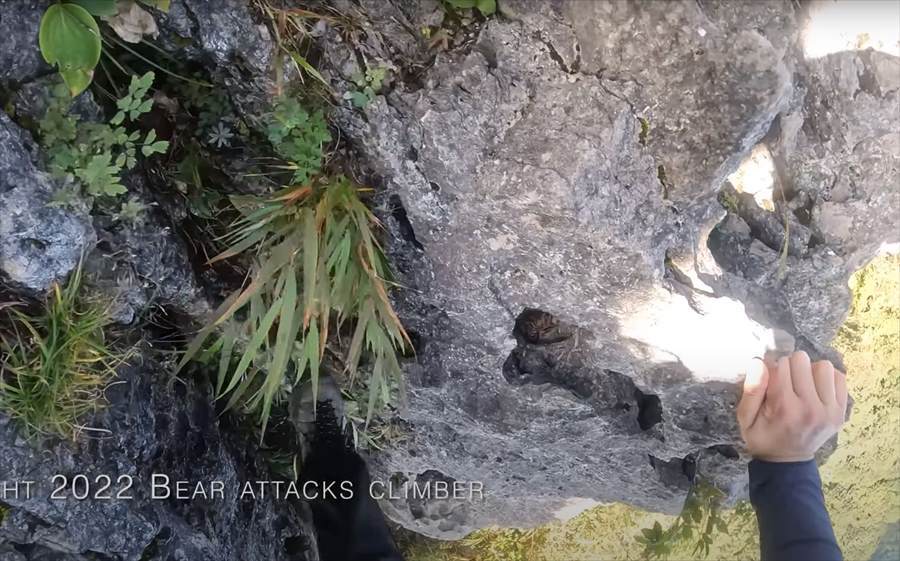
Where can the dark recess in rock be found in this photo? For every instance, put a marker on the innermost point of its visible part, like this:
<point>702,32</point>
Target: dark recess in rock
<point>649,409</point>
<point>676,472</point>
<point>726,450</point>
<point>398,212</point>
<point>538,327</point>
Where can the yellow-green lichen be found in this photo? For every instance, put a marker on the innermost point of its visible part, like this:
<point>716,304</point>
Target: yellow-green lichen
<point>644,135</point>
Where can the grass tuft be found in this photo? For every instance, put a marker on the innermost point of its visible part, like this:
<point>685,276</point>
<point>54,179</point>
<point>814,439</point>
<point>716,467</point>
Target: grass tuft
<point>55,363</point>
<point>317,265</point>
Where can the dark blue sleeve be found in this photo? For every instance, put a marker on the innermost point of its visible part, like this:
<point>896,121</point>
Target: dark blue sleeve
<point>790,510</point>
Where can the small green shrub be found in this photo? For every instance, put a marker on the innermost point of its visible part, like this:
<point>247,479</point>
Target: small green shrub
<point>132,211</point>
<point>318,264</point>
<point>700,518</point>
<point>299,137</point>
<point>367,86</point>
<point>211,107</point>
<point>94,155</point>
<point>55,364</point>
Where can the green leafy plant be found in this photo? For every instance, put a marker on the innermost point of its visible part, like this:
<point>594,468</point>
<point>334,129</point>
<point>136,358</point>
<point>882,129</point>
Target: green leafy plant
<point>299,137</point>
<point>367,86</point>
<point>700,518</point>
<point>209,106</point>
<point>202,200</point>
<point>69,38</point>
<point>221,135</point>
<point>318,264</point>
<point>55,364</point>
<point>96,154</point>
<point>486,7</point>
<point>132,210</point>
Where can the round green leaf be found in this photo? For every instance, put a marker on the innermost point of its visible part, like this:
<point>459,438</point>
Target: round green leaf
<point>77,79</point>
<point>69,37</point>
<point>486,7</point>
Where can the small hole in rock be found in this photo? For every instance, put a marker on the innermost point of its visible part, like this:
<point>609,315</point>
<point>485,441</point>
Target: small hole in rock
<point>649,409</point>
<point>726,450</point>
<point>32,244</point>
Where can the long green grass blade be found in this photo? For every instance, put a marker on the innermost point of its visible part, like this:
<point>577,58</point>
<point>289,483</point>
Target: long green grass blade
<point>374,384</point>
<point>310,259</point>
<point>228,339</point>
<point>313,357</point>
<point>196,345</point>
<point>253,345</point>
<point>356,344</point>
<point>240,247</point>
<point>310,69</point>
<point>284,342</point>
<point>281,254</point>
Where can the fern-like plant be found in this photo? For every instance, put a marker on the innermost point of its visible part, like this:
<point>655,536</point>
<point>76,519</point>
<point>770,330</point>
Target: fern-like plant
<point>317,264</point>
<point>96,154</point>
<point>299,137</point>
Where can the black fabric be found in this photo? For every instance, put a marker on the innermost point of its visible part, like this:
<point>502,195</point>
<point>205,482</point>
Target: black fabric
<point>790,511</point>
<point>347,529</point>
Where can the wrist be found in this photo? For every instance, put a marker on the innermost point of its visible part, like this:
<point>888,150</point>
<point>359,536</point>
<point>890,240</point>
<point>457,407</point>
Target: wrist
<point>787,458</point>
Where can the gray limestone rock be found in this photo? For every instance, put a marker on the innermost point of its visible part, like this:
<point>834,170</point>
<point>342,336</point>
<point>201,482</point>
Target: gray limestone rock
<point>153,424</point>
<point>227,38</point>
<point>39,243</point>
<point>582,282</point>
<point>144,263</point>
<point>20,59</point>
<point>583,303</point>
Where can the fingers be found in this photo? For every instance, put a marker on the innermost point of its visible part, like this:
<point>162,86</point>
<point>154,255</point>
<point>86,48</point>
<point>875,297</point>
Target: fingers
<point>823,377</point>
<point>801,376</point>
<point>779,388</point>
<point>754,393</point>
<point>840,392</point>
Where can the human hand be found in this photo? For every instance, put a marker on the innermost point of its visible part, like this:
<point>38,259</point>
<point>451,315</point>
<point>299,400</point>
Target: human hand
<point>789,409</point>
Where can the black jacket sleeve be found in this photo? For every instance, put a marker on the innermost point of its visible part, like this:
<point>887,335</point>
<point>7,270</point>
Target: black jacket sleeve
<point>790,511</point>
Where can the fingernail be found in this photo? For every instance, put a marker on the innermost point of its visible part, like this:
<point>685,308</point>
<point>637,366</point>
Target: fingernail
<point>755,371</point>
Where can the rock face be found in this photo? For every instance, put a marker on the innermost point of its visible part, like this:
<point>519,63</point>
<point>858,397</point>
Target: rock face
<point>227,39</point>
<point>39,244</point>
<point>585,274</point>
<point>150,265</point>
<point>21,60</point>
<point>156,425</point>
<point>583,302</point>
<point>153,423</point>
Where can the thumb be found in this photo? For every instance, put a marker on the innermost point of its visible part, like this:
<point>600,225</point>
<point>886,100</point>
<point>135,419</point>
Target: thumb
<point>755,384</point>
